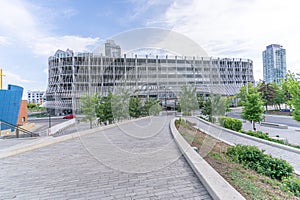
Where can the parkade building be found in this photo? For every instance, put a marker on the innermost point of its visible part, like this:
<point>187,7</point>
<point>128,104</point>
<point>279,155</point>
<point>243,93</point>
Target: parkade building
<point>71,75</point>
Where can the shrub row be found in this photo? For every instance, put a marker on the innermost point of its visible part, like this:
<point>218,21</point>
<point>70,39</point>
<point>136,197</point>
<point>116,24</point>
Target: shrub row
<point>253,158</point>
<point>262,135</point>
<point>184,123</point>
<point>293,185</point>
<point>230,123</point>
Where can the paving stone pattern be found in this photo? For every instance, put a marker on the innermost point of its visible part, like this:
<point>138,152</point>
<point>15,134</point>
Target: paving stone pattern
<point>77,169</point>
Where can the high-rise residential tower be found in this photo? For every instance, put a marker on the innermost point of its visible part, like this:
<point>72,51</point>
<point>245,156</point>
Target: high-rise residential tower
<point>274,63</point>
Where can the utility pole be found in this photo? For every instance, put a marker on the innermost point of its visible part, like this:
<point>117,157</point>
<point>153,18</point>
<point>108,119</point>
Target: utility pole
<point>1,74</point>
<point>49,120</point>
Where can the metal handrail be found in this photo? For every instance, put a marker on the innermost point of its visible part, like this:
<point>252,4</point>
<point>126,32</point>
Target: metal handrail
<point>31,134</point>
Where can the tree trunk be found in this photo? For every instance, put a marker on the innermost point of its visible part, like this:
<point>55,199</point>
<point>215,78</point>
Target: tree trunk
<point>266,107</point>
<point>253,125</point>
<point>91,125</point>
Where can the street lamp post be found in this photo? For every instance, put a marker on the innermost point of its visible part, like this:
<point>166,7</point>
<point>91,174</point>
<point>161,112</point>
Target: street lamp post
<point>166,98</point>
<point>49,120</point>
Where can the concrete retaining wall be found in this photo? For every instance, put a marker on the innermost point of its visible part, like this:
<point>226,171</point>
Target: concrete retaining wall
<point>61,126</point>
<point>215,184</point>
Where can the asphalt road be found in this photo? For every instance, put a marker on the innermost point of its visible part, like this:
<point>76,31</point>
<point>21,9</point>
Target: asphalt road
<point>43,123</point>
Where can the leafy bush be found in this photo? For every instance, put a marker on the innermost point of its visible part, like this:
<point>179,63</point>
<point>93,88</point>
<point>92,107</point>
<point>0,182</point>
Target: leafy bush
<point>231,123</point>
<point>177,122</point>
<point>241,153</point>
<point>295,146</point>
<point>262,135</point>
<point>212,119</point>
<point>254,158</point>
<point>293,185</point>
<point>258,134</point>
<point>182,122</point>
<point>222,120</point>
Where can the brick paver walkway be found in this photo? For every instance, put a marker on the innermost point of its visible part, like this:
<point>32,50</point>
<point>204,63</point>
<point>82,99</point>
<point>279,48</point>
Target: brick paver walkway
<point>133,161</point>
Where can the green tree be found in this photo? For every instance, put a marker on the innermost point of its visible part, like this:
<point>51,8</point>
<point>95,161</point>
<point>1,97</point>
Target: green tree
<point>152,106</point>
<point>292,84</point>
<point>188,99</point>
<point>200,100</point>
<point>244,91</point>
<point>215,105</point>
<point>120,104</point>
<point>207,107</point>
<point>280,95</point>
<point>253,108</point>
<point>219,106</point>
<point>35,107</point>
<point>135,106</point>
<point>268,93</point>
<point>227,104</point>
<point>88,107</point>
<point>104,109</point>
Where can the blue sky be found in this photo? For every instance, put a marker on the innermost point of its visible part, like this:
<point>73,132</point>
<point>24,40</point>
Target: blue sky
<point>32,30</point>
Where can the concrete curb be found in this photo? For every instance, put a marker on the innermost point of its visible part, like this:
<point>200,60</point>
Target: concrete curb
<point>61,126</point>
<point>49,140</point>
<point>281,146</point>
<point>226,142</point>
<point>274,125</point>
<point>216,185</point>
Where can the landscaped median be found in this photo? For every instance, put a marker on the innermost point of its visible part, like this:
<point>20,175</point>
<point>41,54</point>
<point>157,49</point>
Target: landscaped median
<point>251,172</point>
<point>216,185</point>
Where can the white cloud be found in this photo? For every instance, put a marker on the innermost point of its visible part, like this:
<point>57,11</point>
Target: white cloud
<point>4,41</point>
<point>22,25</point>
<point>13,78</point>
<point>234,28</point>
<point>48,45</point>
<point>46,71</point>
<point>69,12</point>
<point>142,6</point>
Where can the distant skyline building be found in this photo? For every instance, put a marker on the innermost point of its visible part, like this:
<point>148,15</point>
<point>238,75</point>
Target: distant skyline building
<point>274,63</point>
<point>112,50</point>
<point>36,96</point>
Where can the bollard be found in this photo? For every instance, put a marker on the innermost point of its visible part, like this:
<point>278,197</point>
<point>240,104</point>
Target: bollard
<point>17,131</point>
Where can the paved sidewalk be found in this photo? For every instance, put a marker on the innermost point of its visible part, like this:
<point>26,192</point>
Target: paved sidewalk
<point>292,134</point>
<point>138,160</point>
<point>292,157</point>
<point>6,144</point>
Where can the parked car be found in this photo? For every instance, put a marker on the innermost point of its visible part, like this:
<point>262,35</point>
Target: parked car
<point>69,116</point>
<point>285,110</point>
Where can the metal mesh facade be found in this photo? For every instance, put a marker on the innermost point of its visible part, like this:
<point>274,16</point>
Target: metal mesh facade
<point>73,75</point>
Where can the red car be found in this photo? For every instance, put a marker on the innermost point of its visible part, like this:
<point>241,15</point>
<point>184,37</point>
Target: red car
<point>69,116</point>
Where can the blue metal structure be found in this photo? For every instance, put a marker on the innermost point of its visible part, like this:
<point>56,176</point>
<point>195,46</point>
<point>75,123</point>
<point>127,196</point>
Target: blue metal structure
<point>10,102</point>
